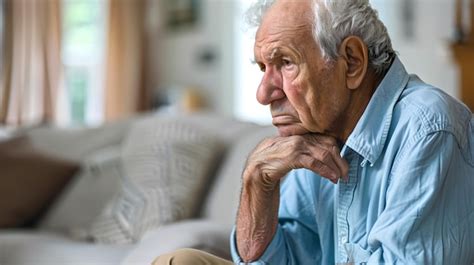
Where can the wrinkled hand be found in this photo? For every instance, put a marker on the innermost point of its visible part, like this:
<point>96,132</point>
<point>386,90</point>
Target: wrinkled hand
<point>274,157</point>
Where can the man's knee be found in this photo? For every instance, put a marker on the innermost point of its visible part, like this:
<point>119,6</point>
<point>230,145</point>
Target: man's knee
<point>189,256</point>
<point>180,256</point>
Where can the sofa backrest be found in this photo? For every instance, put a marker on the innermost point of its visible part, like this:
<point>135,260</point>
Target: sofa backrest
<point>76,144</point>
<point>223,198</point>
<point>101,165</point>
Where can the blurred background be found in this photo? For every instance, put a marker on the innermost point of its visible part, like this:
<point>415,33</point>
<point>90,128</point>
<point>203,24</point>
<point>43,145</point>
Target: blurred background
<point>86,62</point>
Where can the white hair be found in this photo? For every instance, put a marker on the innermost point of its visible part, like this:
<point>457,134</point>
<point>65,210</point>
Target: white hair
<point>334,20</point>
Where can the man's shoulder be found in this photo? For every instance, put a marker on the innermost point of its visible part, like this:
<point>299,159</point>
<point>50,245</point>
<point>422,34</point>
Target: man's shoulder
<point>427,109</point>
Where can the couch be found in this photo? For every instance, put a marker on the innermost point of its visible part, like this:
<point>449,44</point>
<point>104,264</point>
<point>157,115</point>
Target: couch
<point>62,233</point>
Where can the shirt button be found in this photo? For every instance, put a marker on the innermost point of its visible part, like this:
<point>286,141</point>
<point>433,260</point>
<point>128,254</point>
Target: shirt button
<point>343,239</point>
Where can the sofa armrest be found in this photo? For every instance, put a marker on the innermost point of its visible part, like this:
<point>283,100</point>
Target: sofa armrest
<point>197,233</point>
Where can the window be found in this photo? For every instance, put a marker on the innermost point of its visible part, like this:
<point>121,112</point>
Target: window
<point>83,59</point>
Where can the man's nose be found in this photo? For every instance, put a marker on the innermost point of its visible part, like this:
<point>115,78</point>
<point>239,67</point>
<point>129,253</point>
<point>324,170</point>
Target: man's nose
<point>271,87</point>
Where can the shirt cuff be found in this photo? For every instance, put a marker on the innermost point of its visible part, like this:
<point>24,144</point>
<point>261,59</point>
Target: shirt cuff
<point>275,253</point>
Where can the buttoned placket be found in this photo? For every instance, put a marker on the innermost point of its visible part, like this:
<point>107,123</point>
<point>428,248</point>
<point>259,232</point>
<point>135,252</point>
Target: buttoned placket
<point>345,197</point>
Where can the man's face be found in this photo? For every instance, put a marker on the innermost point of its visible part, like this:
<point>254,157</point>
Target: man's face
<point>305,93</point>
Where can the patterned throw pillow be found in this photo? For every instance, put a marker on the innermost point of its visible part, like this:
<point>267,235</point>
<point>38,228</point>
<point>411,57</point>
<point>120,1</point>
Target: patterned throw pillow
<point>166,169</point>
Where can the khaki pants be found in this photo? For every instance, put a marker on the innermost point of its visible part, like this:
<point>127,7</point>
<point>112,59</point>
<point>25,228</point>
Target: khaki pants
<point>190,256</point>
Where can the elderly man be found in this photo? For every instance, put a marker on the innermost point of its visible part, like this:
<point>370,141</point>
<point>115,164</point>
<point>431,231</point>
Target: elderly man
<point>371,165</point>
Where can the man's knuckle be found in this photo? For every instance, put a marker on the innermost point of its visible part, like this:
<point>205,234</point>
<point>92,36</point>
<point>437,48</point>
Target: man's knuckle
<point>325,155</point>
<point>315,164</point>
<point>298,139</point>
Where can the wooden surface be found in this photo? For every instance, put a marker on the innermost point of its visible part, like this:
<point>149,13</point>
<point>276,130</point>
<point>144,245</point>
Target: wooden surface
<point>463,51</point>
<point>464,56</point>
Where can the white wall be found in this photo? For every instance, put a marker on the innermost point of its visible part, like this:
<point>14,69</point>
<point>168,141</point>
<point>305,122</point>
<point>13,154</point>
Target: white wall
<point>179,65</point>
<point>427,53</point>
<point>248,75</point>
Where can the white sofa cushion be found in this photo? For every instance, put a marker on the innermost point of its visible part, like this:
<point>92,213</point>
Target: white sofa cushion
<point>28,247</point>
<point>199,234</point>
<point>166,167</point>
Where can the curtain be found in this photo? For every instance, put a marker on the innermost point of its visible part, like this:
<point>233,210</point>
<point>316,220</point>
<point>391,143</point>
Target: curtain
<point>127,89</point>
<point>31,71</point>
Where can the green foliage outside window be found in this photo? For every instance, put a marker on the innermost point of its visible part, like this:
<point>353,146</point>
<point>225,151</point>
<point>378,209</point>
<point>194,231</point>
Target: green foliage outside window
<point>80,21</point>
<point>81,42</point>
<point>76,81</point>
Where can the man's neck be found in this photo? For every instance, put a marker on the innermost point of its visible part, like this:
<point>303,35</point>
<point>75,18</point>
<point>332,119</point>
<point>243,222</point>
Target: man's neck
<point>360,99</point>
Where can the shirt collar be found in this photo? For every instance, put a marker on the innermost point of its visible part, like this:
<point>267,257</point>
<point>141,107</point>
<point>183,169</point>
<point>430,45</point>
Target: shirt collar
<point>369,135</point>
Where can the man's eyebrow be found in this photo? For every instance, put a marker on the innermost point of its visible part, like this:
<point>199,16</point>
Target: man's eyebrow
<point>274,54</point>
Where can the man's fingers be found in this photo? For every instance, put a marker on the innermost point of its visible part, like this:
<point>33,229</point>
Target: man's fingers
<point>310,162</point>
<point>327,158</point>
<point>274,157</point>
<point>331,165</point>
<point>323,139</point>
<point>341,162</point>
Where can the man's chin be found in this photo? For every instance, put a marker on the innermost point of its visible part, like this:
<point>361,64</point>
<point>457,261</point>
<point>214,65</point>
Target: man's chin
<point>289,130</point>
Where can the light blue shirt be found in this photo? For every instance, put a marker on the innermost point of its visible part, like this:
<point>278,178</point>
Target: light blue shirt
<point>410,194</point>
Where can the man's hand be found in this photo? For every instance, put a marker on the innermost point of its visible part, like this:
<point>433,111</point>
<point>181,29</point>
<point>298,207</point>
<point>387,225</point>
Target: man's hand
<point>274,157</point>
<point>271,160</point>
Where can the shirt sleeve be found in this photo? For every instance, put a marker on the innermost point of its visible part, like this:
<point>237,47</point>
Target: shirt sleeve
<point>429,212</point>
<point>296,240</point>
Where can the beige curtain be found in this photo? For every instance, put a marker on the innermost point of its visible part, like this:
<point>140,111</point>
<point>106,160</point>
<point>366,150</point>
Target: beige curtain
<point>32,75</point>
<point>127,87</point>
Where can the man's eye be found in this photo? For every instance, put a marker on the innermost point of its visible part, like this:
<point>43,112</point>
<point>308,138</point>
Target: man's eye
<point>286,62</point>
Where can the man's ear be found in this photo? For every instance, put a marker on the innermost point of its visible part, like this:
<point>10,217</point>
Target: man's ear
<point>354,51</point>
